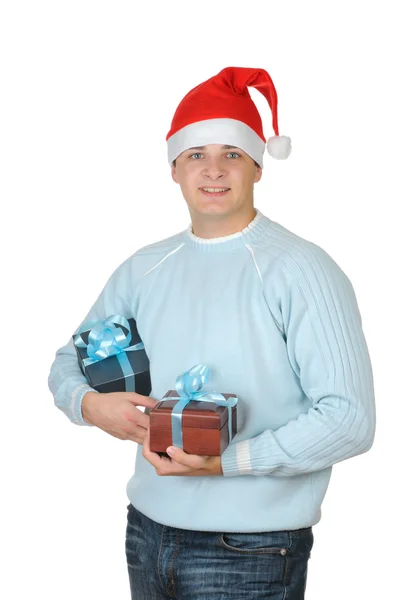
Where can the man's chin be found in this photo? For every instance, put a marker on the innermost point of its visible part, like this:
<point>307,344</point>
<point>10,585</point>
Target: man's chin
<point>212,211</point>
<point>210,206</point>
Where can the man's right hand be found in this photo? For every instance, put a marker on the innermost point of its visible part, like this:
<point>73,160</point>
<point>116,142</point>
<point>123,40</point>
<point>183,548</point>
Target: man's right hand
<point>116,413</point>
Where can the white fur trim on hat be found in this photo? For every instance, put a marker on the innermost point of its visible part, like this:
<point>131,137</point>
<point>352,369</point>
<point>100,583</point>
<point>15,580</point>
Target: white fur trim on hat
<point>216,131</point>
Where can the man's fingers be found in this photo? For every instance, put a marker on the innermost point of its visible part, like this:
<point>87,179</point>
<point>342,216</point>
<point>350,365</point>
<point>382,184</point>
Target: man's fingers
<point>139,418</point>
<point>137,434</point>
<point>140,400</point>
<point>187,460</point>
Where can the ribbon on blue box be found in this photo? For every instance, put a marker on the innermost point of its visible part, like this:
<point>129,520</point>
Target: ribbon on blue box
<point>189,387</point>
<point>106,339</point>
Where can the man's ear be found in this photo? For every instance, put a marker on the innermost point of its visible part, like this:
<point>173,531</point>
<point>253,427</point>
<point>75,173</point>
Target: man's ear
<point>258,174</point>
<point>174,174</point>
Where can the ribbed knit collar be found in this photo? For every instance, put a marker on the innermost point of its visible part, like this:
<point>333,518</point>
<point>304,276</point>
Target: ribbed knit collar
<point>254,230</point>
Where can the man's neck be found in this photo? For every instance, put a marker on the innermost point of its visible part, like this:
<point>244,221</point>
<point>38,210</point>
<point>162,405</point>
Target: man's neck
<point>218,227</point>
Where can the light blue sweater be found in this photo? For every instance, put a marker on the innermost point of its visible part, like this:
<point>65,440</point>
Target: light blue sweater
<point>277,323</point>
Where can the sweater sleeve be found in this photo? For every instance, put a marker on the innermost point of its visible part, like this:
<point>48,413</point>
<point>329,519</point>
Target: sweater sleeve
<point>328,352</point>
<point>66,381</point>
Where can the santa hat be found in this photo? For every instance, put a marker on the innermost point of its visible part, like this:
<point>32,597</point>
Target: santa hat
<point>221,111</point>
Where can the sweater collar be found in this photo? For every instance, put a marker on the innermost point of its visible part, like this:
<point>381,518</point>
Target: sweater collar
<point>254,230</point>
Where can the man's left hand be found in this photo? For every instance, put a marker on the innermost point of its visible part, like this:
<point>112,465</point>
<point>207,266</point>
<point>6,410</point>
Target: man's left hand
<point>181,463</point>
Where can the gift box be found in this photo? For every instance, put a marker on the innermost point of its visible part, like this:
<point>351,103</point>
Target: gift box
<point>204,423</point>
<point>112,356</point>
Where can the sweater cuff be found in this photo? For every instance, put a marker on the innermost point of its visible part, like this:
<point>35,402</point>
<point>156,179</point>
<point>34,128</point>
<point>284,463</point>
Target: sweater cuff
<point>235,460</point>
<point>77,398</point>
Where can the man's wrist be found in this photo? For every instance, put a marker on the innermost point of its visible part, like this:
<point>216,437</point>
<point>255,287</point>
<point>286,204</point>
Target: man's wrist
<point>215,467</point>
<point>87,401</point>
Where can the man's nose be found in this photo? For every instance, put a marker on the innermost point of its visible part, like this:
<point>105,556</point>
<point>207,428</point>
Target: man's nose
<point>213,169</point>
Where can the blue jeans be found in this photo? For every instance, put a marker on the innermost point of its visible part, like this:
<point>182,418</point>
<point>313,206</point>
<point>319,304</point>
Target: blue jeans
<point>169,563</point>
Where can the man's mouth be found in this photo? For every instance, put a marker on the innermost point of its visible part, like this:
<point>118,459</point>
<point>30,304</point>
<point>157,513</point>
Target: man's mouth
<point>214,191</point>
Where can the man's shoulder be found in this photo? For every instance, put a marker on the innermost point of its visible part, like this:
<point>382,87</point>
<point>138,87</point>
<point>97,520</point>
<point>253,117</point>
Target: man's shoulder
<point>291,253</point>
<point>146,257</point>
<point>164,245</point>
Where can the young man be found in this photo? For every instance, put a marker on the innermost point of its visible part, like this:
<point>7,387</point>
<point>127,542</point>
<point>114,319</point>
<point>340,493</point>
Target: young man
<point>277,323</point>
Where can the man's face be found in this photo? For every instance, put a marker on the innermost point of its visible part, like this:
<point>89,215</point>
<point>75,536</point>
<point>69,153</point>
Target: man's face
<point>216,179</point>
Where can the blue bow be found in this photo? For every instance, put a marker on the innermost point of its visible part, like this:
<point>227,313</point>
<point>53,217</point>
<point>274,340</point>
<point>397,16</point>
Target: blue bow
<point>106,339</point>
<point>189,387</point>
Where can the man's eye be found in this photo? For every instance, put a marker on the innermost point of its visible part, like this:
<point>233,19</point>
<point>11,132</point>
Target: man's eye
<point>235,153</point>
<point>195,155</point>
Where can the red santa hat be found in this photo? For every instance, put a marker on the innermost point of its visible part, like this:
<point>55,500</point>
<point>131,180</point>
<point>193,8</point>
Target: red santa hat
<point>221,111</point>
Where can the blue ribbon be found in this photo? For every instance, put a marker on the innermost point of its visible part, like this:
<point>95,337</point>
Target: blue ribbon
<point>189,387</point>
<point>106,339</point>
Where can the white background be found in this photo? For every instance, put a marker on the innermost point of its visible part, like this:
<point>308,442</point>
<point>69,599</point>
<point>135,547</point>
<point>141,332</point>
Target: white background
<point>89,89</point>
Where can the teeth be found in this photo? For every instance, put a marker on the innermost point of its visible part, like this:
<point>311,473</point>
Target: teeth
<point>215,189</point>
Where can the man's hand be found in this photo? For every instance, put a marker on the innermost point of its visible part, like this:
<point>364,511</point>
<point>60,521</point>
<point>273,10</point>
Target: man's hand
<point>116,413</point>
<point>181,463</point>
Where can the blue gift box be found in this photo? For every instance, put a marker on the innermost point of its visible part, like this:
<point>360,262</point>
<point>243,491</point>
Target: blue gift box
<point>112,356</point>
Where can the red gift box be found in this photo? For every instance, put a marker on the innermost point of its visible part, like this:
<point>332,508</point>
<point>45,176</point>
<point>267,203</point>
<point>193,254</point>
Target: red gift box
<point>204,425</point>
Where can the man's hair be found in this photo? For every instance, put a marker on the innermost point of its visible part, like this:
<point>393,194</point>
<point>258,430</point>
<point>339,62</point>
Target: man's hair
<point>257,165</point>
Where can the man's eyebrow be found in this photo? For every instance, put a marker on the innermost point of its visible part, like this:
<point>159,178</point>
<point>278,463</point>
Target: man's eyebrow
<point>226,147</point>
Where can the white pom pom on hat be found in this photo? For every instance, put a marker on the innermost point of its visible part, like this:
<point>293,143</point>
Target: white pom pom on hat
<point>221,111</point>
<point>279,146</point>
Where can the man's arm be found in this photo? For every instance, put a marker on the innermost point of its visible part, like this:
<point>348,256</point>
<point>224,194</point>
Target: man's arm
<point>66,381</point>
<point>328,352</point>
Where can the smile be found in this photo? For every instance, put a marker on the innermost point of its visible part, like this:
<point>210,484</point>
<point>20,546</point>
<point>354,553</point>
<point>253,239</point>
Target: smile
<point>214,191</point>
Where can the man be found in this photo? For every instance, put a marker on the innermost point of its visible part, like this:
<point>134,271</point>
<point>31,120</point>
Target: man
<point>277,323</point>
